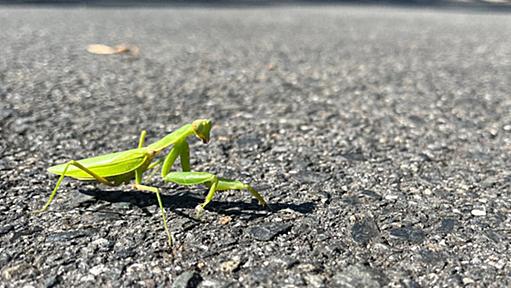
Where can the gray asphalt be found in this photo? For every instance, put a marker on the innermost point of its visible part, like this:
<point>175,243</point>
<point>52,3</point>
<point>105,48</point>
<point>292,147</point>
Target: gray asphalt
<point>380,136</point>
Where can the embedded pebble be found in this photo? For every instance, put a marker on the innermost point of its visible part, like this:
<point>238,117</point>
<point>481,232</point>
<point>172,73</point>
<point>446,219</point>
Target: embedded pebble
<point>187,279</point>
<point>478,212</point>
<point>359,276</point>
<point>408,234</point>
<point>364,231</point>
<point>266,232</point>
<point>230,265</point>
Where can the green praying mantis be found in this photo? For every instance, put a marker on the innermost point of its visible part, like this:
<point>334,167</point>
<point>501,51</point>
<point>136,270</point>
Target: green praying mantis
<point>119,168</point>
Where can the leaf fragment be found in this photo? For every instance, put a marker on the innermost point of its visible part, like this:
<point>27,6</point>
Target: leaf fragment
<point>225,220</point>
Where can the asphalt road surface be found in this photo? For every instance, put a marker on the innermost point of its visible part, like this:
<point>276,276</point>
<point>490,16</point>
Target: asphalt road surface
<point>380,136</point>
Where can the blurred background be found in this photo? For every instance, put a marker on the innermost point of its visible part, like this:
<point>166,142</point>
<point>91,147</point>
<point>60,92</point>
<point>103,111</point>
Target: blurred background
<point>440,3</point>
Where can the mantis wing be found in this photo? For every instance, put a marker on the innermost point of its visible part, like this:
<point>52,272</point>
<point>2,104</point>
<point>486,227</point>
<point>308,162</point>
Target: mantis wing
<point>107,165</point>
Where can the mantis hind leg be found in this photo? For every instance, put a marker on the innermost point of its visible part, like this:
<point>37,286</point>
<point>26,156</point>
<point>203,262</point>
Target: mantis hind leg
<point>256,194</point>
<point>199,210</point>
<point>228,184</point>
<point>155,190</point>
<point>59,182</point>
<point>214,183</point>
<point>221,184</point>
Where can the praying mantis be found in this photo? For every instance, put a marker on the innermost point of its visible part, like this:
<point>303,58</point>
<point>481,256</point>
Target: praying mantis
<point>119,168</point>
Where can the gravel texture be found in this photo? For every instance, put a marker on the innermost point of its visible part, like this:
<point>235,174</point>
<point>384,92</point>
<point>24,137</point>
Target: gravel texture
<point>380,136</point>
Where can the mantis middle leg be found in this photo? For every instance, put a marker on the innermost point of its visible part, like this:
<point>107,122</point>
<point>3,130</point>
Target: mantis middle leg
<point>139,186</point>
<point>141,140</point>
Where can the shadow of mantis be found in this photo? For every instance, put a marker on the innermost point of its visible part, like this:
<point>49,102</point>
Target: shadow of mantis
<point>184,199</point>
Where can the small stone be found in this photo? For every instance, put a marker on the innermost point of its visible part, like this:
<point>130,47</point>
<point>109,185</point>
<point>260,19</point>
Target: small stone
<point>121,206</point>
<point>99,269</point>
<point>215,283</point>
<point>447,225</point>
<point>285,262</point>
<point>125,253</point>
<point>81,199</point>
<point>101,244</point>
<point>409,283</point>
<point>359,276</point>
<point>391,197</point>
<point>354,156</point>
<point>200,265</point>
<point>65,236</point>
<point>408,234</point>
<point>280,149</point>
<point>307,267</point>
<point>314,280</point>
<point>51,281</point>
<point>187,279</point>
<point>224,220</point>
<point>430,256</point>
<point>87,278</point>
<point>467,281</point>
<point>230,265</point>
<point>266,232</point>
<point>149,283</point>
<point>496,237</point>
<point>370,194</point>
<point>362,232</point>
<point>4,259</point>
<point>294,280</point>
<point>6,229</point>
<point>478,212</point>
<point>10,272</point>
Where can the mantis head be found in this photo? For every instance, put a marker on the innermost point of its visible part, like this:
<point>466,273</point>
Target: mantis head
<point>201,128</point>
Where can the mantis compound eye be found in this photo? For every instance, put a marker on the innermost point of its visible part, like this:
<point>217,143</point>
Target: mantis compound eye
<point>202,127</point>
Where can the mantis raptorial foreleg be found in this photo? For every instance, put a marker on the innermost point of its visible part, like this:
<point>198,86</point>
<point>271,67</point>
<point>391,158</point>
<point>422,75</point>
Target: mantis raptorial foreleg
<point>79,166</point>
<point>184,156</point>
<point>180,149</point>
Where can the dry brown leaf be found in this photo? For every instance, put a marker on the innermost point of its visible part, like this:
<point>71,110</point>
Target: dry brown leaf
<point>101,49</point>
